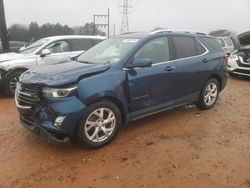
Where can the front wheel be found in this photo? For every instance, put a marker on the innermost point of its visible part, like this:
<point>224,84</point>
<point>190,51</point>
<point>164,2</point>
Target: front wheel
<point>99,124</point>
<point>209,94</point>
<point>11,82</point>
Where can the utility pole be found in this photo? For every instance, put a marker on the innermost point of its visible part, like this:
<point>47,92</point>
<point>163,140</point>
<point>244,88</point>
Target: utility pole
<point>125,11</point>
<point>100,25</point>
<point>3,29</point>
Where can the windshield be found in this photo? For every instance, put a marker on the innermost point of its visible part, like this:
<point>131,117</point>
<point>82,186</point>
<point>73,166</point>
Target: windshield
<point>33,47</point>
<point>108,51</point>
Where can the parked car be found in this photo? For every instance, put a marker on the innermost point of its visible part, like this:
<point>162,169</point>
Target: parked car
<point>14,46</point>
<point>121,79</point>
<point>226,43</point>
<point>239,62</point>
<point>12,65</point>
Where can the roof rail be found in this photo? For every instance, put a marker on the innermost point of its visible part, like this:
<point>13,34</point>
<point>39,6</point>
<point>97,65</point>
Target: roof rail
<point>179,31</point>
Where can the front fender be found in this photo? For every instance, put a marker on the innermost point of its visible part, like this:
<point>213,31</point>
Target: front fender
<point>110,84</point>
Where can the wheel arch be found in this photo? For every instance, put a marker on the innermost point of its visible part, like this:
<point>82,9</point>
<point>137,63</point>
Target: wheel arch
<point>218,78</point>
<point>121,106</point>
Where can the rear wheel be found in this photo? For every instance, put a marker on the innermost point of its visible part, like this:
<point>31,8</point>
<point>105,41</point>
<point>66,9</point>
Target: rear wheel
<point>99,124</point>
<point>209,94</point>
<point>11,82</point>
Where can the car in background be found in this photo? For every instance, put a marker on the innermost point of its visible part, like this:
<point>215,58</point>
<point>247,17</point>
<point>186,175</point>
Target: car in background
<point>45,50</point>
<point>121,79</point>
<point>239,62</point>
<point>14,46</point>
<point>226,43</point>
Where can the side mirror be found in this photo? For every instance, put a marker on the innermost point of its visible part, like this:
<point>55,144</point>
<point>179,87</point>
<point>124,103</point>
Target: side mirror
<point>45,52</point>
<point>140,62</point>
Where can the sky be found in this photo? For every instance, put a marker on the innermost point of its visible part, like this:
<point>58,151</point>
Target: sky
<point>145,15</point>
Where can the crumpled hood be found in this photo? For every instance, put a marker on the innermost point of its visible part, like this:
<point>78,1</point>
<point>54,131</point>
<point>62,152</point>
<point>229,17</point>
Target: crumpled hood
<point>11,56</point>
<point>60,74</point>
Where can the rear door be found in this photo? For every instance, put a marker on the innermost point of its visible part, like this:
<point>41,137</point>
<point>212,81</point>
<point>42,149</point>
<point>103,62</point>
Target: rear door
<point>192,68</point>
<point>152,86</point>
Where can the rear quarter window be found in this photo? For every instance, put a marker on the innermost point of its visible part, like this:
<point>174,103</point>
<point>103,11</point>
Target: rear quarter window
<point>213,43</point>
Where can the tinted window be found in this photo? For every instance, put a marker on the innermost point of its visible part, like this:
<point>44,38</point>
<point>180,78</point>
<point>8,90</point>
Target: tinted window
<point>96,41</point>
<point>199,48</point>
<point>212,42</point>
<point>184,47</point>
<point>157,50</point>
<point>81,44</point>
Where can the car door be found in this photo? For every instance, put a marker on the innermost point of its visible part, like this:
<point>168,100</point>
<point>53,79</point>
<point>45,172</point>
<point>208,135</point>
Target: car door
<point>152,87</point>
<point>192,68</point>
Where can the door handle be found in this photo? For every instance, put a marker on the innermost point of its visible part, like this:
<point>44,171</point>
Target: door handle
<point>205,60</point>
<point>169,68</point>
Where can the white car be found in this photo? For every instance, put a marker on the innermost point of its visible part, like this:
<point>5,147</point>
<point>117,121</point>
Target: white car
<point>12,65</point>
<point>239,62</point>
<point>226,43</point>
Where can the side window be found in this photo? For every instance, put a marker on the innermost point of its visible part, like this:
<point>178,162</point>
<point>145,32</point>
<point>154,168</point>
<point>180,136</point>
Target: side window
<point>184,47</point>
<point>59,46</point>
<point>199,48</point>
<point>96,41</point>
<point>228,41</point>
<point>81,44</point>
<point>157,50</point>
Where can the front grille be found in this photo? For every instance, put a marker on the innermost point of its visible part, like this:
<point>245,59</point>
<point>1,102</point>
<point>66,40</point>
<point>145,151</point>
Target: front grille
<point>28,121</point>
<point>27,95</point>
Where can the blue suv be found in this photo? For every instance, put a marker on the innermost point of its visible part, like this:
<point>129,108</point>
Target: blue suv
<point>121,79</point>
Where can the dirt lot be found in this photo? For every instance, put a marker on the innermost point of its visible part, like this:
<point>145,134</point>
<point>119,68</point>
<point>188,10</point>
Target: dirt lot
<point>184,147</point>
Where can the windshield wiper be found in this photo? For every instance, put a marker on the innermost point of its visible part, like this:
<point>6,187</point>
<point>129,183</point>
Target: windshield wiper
<point>86,62</point>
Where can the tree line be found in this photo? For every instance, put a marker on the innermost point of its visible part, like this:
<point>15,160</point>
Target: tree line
<point>18,32</point>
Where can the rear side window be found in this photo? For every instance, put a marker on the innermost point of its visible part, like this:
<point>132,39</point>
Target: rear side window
<point>213,43</point>
<point>96,41</point>
<point>81,44</point>
<point>184,47</point>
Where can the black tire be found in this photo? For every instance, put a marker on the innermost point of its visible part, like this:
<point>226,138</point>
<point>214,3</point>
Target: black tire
<point>9,79</point>
<point>81,134</point>
<point>202,104</point>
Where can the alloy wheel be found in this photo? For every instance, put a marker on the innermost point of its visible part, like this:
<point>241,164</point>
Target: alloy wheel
<point>210,94</point>
<point>13,83</point>
<point>100,125</point>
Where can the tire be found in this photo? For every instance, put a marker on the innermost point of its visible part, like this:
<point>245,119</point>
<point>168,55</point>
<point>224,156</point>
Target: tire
<point>92,131</point>
<point>209,94</point>
<point>10,82</point>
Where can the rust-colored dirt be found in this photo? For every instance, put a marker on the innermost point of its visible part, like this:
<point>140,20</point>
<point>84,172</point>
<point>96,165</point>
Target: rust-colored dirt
<point>185,147</point>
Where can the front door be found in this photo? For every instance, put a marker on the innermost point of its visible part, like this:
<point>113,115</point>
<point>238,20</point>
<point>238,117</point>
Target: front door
<point>152,87</point>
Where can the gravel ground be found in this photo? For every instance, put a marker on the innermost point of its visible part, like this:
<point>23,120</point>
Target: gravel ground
<point>184,147</point>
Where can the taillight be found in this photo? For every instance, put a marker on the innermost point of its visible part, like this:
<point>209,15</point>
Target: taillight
<point>226,57</point>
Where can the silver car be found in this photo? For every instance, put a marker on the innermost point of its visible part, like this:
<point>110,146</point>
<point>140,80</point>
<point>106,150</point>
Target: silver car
<point>42,52</point>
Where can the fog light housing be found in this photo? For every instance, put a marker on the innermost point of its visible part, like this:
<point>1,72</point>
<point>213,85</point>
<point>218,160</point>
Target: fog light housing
<point>58,121</point>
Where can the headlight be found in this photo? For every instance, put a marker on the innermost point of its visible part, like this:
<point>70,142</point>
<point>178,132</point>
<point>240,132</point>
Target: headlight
<point>57,92</point>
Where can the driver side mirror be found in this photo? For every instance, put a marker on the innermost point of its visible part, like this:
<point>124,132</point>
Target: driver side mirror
<point>140,63</point>
<point>45,52</point>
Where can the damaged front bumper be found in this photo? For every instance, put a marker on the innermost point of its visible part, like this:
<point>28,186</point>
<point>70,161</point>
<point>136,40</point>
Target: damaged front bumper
<point>52,119</point>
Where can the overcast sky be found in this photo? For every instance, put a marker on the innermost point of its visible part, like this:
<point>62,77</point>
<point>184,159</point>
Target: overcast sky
<point>197,15</point>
